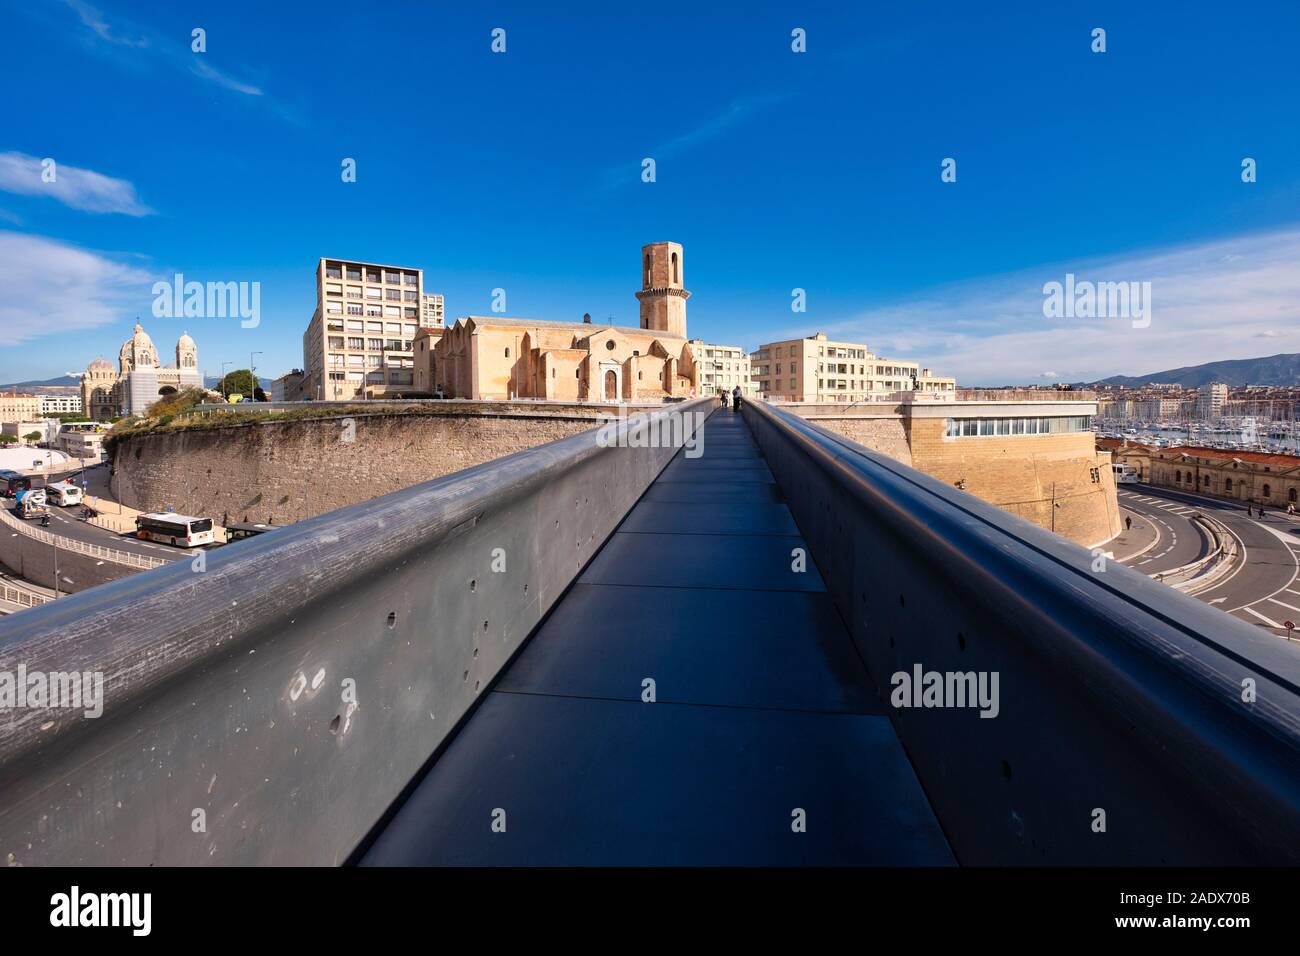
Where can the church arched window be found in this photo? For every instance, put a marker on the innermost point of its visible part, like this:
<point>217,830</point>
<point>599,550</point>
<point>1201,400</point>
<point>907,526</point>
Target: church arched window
<point>675,279</point>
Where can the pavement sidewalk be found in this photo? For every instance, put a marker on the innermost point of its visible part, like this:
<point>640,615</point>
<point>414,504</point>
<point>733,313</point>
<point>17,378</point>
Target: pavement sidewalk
<point>1131,542</point>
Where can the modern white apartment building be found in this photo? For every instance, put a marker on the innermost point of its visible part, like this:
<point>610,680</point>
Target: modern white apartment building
<point>1210,400</point>
<point>815,369</point>
<point>60,404</point>
<point>433,315</point>
<point>722,368</point>
<point>358,343</point>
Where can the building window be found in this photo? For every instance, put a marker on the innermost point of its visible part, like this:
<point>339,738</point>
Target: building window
<point>1290,496</point>
<point>610,345</point>
<point>1266,492</point>
<point>1227,486</point>
<point>675,279</point>
<point>507,353</point>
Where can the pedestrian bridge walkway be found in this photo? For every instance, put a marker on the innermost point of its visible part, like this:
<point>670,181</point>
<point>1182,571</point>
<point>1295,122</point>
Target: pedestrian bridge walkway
<point>607,652</point>
<point>765,742</point>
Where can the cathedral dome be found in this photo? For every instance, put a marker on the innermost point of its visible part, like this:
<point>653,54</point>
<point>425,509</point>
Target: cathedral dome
<point>185,342</point>
<point>99,365</point>
<point>141,338</point>
<point>138,351</point>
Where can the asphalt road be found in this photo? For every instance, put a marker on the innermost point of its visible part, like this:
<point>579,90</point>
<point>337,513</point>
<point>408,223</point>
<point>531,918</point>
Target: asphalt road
<point>1178,540</point>
<point>66,522</point>
<point>1263,589</point>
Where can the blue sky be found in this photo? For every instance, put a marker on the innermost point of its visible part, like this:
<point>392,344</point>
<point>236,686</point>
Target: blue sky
<point>776,171</point>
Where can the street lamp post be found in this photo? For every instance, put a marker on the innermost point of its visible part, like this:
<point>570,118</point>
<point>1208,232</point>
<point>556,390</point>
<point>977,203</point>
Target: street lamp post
<point>252,376</point>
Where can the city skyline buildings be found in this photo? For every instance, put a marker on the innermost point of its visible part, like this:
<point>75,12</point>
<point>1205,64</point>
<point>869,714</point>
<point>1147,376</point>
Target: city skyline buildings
<point>847,204</point>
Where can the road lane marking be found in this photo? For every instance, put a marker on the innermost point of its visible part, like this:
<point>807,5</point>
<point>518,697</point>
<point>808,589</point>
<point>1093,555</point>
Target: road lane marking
<point>1268,621</point>
<point>1289,607</point>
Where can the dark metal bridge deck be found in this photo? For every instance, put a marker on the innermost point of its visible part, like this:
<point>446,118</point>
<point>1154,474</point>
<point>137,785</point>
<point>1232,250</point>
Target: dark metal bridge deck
<point>762,707</point>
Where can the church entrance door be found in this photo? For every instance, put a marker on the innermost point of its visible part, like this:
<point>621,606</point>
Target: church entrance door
<point>611,386</point>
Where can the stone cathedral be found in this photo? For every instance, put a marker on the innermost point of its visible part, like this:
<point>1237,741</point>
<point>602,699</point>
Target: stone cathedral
<point>140,379</point>
<point>495,357</point>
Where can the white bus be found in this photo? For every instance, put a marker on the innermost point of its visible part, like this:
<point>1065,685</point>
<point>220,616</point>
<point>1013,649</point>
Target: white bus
<point>63,494</point>
<point>1126,474</point>
<point>183,531</point>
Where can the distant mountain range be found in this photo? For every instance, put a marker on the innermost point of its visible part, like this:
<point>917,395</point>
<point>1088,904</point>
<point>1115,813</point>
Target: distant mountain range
<point>62,380</point>
<point>1281,369</point>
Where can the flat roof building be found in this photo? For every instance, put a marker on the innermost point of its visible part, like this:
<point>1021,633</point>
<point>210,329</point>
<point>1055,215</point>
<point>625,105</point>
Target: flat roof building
<point>358,343</point>
<point>816,369</point>
<point>722,368</point>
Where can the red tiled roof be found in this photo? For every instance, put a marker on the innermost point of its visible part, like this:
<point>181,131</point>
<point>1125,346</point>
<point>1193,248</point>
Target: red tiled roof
<point>1259,457</point>
<point>1197,451</point>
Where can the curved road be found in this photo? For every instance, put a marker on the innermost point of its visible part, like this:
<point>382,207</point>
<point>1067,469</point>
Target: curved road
<point>1264,588</point>
<point>66,521</point>
<point>1179,542</point>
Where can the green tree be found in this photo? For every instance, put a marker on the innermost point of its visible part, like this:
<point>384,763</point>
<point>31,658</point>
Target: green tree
<point>33,436</point>
<point>240,382</point>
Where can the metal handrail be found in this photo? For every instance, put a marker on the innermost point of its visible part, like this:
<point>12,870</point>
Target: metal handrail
<point>225,678</point>
<point>1117,690</point>
<point>21,596</point>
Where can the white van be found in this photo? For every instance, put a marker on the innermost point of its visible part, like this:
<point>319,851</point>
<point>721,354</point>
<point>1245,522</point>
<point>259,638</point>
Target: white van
<point>63,494</point>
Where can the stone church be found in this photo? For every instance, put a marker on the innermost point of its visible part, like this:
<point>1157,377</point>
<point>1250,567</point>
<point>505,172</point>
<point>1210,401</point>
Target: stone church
<point>494,357</point>
<point>140,379</point>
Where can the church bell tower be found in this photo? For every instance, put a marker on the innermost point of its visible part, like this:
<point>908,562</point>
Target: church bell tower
<point>663,296</point>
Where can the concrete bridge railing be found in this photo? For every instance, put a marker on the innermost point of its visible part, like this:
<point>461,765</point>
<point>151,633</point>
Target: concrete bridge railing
<point>269,703</point>
<point>26,528</point>
<point>1134,725</point>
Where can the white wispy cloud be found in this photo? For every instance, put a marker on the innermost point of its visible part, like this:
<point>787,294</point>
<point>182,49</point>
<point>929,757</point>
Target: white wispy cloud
<point>73,186</point>
<point>93,20</point>
<point>172,51</point>
<point>201,68</point>
<point>53,287</point>
<point>1211,300</point>
<point>735,113</point>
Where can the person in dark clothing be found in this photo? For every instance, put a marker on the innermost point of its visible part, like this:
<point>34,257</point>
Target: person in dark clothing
<point>735,397</point>
<point>1128,523</point>
<point>724,399</point>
